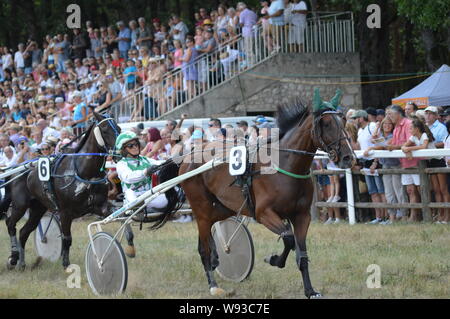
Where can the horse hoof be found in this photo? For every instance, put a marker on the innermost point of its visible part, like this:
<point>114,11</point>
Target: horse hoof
<point>268,259</point>
<point>21,267</point>
<point>37,262</point>
<point>217,292</point>
<point>130,251</point>
<point>9,265</point>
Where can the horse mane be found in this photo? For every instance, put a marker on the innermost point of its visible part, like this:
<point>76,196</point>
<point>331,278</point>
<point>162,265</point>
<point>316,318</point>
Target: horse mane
<point>290,114</point>
<point>84,138</point>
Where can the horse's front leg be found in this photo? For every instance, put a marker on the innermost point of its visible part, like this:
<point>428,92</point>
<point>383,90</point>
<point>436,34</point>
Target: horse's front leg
<point>301,224</point>
<point>66,223</point>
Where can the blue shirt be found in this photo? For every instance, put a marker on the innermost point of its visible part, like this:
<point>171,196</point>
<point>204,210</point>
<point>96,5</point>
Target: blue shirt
<point>439,131</point>
<point>78,115</point>
<point>125,45</point>
<point>130,78</point>
<point>274,8</point>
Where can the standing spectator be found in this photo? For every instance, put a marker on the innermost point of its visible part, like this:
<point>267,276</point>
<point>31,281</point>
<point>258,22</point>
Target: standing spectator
<point>439,133</point>
<point>96,44</point>
<point>79,45</point>
<point>203,16</point>
<point>222,19</point>
<point>177,54</point>
<point>276,21</point>
<point>392,182</point>
<point>410,109</point>
<point>123,39</point>
<point>178,29</point>
<point>80,113</point>
<point>7,59</point>
<point>380,115</point>
<point>61,50</point>
<point>374,183</point>
<point>247,20</point>
<point>233,22</point>
<point>133,29</point>
<point>110,40</point>
<point>189,69</point>
<point>372,114</point>
<point>144,35</point>
<point>130,72</point>
<point>401,135</point>
<point>208,46</point>
<point>298,21</point>
<point>18,57</point>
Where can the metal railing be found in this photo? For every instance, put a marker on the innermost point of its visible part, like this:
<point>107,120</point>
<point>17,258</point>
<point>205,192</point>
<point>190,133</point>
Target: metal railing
<point>323,33</point>
<point>425,187</point>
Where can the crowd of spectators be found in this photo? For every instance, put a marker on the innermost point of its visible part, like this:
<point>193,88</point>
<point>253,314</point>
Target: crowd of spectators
<point>49,87</point>
<point>395,128</point>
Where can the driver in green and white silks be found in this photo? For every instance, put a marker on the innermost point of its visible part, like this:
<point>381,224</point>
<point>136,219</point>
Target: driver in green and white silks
<point>135,171</point>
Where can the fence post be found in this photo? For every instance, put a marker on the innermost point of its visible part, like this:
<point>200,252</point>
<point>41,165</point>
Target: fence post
<point>425,191</point>
<point>350,198</point>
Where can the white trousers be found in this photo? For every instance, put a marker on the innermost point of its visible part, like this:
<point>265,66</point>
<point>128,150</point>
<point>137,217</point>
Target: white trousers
<point>158,202</point>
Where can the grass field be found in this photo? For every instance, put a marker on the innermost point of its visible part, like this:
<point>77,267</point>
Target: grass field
<point>414,262</point>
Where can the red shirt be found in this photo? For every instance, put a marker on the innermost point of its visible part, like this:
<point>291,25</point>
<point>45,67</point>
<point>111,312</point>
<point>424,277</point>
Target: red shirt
<point>116,63</point>
<point>401,135</point>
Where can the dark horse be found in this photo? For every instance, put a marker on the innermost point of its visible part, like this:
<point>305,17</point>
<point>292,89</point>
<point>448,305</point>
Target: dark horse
<point>78,186</point>
<point>277,198</point>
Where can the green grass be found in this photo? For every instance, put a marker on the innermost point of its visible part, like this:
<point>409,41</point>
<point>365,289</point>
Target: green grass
<point>414,261</point>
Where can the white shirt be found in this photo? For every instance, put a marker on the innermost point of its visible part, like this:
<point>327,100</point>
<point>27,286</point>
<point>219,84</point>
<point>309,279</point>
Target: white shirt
<point>49,131</point>
<point>298,18</point>
<point>365,136</point>
<point>7,61</point>
<point>11,101</point>
<point>18,60</point>
<point>181,26</point>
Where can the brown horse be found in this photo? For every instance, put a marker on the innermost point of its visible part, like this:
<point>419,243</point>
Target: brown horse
<point>277,198</point>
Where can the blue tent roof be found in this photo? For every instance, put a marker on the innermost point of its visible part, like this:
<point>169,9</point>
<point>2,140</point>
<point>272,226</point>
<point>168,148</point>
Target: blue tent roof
<point>436,88</point>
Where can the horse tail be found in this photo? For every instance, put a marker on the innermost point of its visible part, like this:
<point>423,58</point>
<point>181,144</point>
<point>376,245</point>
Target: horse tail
<point>175,195</point>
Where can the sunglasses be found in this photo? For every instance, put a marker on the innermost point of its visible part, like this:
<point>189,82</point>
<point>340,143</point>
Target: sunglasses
<point>131,145</point>
<point>210,125</point>
<point>45,149</point>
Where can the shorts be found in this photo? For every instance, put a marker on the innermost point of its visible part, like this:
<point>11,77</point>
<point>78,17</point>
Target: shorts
<point>323,180</point>
<point>410,179</point>
<point>436,163</point>
<point>374,184</point>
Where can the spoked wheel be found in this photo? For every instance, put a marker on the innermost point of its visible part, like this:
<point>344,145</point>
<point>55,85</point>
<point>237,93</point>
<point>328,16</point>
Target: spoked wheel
<point>109,276</point>
<point>48,238</point>
<point>234,246</point>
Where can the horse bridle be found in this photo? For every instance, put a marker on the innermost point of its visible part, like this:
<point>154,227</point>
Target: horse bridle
<point>330,147</point>
<point>98,133</point>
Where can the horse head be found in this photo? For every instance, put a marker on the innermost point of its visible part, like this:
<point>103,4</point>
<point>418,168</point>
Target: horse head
<point>329,130</point>
<point>106,131</point>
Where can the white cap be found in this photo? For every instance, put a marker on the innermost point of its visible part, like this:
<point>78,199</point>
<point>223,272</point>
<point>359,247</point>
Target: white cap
<point>77,94</point>
<point>59,100</point>
<point>433,109</point>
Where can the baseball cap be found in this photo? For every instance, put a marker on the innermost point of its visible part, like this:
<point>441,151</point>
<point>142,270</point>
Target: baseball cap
<point>5,106</point>
<point>59,100</point>
<point>371,111</point>
<point>267,125</point>
<point>207,22</point>
<point>260,119</point>
<point>433,109</point>
<point>359,113</point>
<point>381,112</point>
<point>242,123</point>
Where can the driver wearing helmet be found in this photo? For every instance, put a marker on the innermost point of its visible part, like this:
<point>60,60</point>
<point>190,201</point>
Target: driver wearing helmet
<point>135,171</point>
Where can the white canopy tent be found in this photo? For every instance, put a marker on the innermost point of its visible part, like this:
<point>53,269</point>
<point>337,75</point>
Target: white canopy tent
<point>435,90</point>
